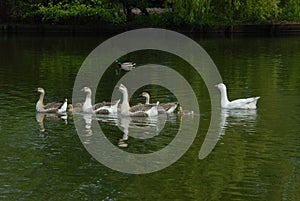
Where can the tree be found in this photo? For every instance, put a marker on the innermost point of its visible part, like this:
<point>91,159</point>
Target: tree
<point>224,11</point>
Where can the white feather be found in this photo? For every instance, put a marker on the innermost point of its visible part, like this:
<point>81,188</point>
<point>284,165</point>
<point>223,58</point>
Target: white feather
<point>245,103</point>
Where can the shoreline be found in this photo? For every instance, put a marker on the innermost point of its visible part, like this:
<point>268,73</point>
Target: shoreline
<point>260,29</point>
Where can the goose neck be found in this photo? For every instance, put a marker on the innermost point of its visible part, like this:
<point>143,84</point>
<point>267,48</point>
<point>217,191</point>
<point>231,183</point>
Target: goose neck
<point>125,104</point>
<point>41,100</point>
<point>40,104</point>
<point>224,98</point>
<point>87,106</point>
<point>88,100</point>
<point>147,99</point>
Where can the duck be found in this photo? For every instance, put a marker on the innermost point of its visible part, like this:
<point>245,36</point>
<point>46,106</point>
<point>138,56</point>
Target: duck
<point>140,110</point>
<point>163,108</point>
<point>127,66</point>
<point>54,107</point>
<point>98,108</point>
<point>245,103</point>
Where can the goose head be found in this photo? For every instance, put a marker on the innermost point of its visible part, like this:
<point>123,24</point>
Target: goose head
<point>145,94</point>
<point>86,90</point>
<point>40,90</point>
<point>122,88</point>
<point>221,87</point>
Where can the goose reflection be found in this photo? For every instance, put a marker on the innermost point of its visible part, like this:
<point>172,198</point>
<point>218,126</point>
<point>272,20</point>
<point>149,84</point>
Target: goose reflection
<point>139,128</point>
<point>124,123</point>
<point>132,127</point>
<point>145,128</point>
<point>88,118</point>
<point>40,117</point>
<point>227,118</point>
<point>236,117</point>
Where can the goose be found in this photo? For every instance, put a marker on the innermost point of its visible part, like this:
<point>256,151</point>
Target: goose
<point>162,107</point>
<point>184,112</point>
<point>127,66</point>
<point>245,103</point>
<point>98,108</point>
<point>54,107</point>
<point>77,108</point>
<point>140,110</point>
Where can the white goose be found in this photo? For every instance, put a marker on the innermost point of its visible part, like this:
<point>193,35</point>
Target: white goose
<point>98,108</point>
<point>162,107</point>
<point>246,103</point>
<point>140,110</point>
<point>54,107</point>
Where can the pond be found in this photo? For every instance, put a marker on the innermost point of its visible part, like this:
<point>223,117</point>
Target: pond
<point>255,155</point>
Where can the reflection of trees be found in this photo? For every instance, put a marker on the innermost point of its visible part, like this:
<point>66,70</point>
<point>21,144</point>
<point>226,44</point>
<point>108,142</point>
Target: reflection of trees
<point>253,65</point>
<point>247,159</point>
<point>206,179</point>
<point>57,66</point>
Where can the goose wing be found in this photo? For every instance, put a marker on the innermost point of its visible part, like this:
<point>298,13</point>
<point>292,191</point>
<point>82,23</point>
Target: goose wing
<point>139,114</point>
<point>247,103</point>
<point>53,107</point>
<point>102,111</point>
<point>105,104</point>
<point>106,107</point>
<point>169,107</point>
<point>141,108</point>
<point>99,105</point>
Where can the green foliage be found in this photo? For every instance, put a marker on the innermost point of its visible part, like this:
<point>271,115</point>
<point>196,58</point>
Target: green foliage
<point>192,12</point>
<point>178,12</point>
<point>153,20</point>
<point>13,10</point>
<point>224,12</point>
<point>79,12</point>
<point>290,10</point>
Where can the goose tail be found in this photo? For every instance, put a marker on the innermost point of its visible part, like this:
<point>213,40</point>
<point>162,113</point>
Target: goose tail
<point>63,107</point>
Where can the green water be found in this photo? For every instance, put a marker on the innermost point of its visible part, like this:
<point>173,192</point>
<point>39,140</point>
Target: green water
<point>256,157</point>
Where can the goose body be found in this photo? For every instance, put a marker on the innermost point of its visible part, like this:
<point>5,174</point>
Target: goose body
<point>106,107</point>
<point>245,103</point>
<point>140,110</point>
<point>54,107</point>
<point>127,66</point>
<point>99,108</point>
<point>162,107</point>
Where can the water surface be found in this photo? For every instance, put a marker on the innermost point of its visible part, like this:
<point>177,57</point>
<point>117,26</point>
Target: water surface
<point>257,153</point>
